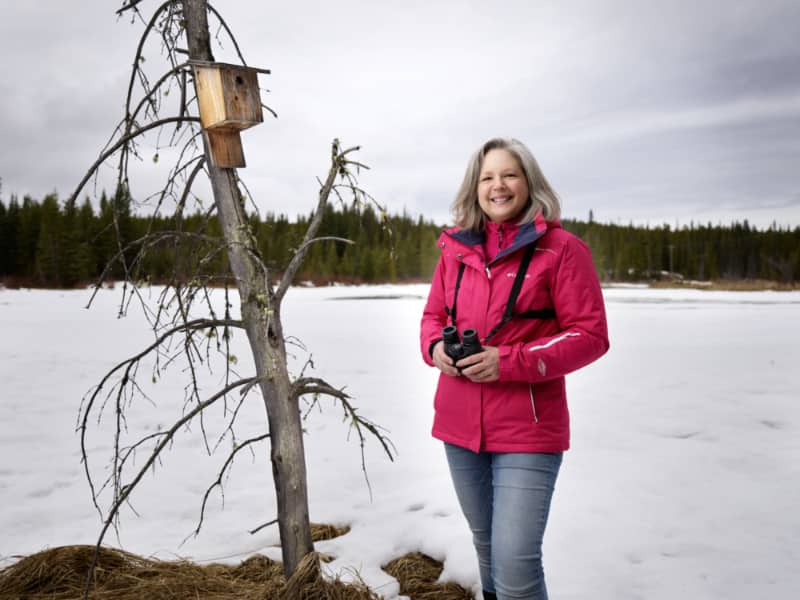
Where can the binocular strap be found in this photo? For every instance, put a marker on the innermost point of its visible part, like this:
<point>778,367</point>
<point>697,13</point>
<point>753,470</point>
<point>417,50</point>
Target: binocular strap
<point>515,289</point>
<point>545,313</point>
<point>451,312</point>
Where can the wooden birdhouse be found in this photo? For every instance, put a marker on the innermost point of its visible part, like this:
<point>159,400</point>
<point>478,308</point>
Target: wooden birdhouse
<point>229,101</point>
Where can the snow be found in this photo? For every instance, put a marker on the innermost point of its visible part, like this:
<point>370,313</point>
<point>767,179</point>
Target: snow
<point>683,479</point>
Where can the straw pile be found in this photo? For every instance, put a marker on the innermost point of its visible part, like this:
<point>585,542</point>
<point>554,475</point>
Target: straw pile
<point>60,574</point>
<point>323,531</point>
<point>417,574</point>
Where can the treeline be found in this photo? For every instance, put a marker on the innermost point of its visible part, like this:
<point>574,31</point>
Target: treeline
<point>50,244</point>
<point>54,244</point>
<point>694,252</point>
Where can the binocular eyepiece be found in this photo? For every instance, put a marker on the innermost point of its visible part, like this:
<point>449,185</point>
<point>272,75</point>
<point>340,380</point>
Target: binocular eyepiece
<point>456,348</point>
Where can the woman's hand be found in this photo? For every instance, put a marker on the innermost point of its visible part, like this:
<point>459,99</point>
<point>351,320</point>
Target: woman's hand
<point>443,362</point>
<point>481,367</point>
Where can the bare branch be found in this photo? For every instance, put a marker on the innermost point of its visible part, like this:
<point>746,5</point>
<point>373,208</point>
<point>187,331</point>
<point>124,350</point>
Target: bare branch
<point>291,270</point>
<point>316,386</point>
<point>129,364</point>
<point>240,181</point>
<point>144,242</point>
<point>229,32</point>
<point>344,153</point>
<point>326,238</point>
<point>125,491</point>
<point>123,140</point>
<point>260,527</point>
<point>265,107</point>
<point>148,98</point>
<point>130,5</point>
<point>182,103</point>
<point>137,57</point>
<point>221,475</point>
<point>357,164</point>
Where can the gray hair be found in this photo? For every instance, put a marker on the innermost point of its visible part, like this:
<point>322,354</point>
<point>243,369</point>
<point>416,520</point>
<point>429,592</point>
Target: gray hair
<point>466,210</point>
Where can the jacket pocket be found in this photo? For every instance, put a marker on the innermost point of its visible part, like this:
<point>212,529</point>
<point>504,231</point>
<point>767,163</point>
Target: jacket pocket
<point>533,403</point>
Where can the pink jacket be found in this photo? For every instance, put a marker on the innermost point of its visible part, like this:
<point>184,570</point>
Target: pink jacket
<point>526,409</point>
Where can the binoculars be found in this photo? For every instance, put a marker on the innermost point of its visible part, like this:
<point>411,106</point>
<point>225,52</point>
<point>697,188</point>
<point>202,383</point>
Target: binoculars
<point>457,348</point>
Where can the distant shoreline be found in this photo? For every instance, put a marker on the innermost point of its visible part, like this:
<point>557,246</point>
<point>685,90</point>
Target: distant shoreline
<point>728,285</point>
<point>717,285</point>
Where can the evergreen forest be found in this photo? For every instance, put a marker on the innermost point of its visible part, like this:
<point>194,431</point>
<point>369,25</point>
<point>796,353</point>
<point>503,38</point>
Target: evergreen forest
<point>52,244</point>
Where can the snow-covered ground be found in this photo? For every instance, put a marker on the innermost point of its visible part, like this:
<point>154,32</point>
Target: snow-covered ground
<point>683,480</point>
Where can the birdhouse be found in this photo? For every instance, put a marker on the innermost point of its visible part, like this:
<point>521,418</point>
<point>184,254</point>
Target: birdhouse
<point>229,101</point>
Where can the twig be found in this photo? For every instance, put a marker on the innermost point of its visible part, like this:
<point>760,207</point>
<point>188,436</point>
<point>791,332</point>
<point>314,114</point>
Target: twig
<point>130,5</point>
<point>228,30</point>
<point>129,364</point>
<point>125,491</point>
<point>260,527</point>
<point>218,481</point>
<point>337,164</point>
<point>126,138</point>
<point>314,385</point>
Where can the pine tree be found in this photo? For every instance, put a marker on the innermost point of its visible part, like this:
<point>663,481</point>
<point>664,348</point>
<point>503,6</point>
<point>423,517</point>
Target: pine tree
<point>76,255</point>
<point>28,237</point>
<point>5,250</point>
<point>50,244</point>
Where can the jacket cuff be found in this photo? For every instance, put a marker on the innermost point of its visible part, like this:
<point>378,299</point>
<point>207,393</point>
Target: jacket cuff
<point>429,356</point>
<point>505,367</point>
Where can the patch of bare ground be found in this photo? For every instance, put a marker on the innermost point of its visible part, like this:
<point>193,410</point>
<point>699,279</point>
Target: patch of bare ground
<point>417,574</point>
<point>730,285</point>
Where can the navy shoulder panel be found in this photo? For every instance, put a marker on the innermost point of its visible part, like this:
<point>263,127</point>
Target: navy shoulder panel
<point>468,237</point>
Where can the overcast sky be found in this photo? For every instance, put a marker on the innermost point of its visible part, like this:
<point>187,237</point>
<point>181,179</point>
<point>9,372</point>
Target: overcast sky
<point>651,112</point>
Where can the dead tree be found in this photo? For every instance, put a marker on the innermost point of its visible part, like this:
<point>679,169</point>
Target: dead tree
<point>176,331</point>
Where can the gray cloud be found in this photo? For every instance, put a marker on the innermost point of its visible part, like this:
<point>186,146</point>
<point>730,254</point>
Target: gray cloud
<point>639,111</point>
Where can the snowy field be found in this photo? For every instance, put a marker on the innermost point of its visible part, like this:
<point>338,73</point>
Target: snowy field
<point>683,480</point>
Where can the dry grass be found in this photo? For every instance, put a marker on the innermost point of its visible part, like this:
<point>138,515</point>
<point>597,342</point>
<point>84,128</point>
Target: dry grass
<point>60,574</point>
<point>417,574</point>
<point>322,531</point>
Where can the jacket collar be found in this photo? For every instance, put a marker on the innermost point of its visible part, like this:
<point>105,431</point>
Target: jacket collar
<point>527,234</point>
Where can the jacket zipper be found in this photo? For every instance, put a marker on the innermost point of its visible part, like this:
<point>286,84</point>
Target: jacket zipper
<point>533,403</point>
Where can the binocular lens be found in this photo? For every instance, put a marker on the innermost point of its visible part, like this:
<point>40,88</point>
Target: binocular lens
<point>450,335</point>
<point>470,336</point>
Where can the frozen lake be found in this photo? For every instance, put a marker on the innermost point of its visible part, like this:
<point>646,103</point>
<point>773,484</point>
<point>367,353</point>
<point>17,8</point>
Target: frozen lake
<point>683,480</point>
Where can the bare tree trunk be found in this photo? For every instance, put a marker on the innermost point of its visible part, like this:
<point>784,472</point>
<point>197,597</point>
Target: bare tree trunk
<point>261,317</point>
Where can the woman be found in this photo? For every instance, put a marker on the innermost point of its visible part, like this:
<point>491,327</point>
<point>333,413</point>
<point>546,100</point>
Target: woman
<point>530,290</point>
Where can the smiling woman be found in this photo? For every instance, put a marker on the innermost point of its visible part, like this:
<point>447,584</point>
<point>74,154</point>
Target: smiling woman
<point>530,291</point>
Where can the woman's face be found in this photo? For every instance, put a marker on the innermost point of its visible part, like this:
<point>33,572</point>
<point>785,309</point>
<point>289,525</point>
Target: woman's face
<point>502,186</point>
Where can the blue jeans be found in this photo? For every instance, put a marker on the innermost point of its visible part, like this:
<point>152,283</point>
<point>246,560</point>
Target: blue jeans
<point>506,499</point>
